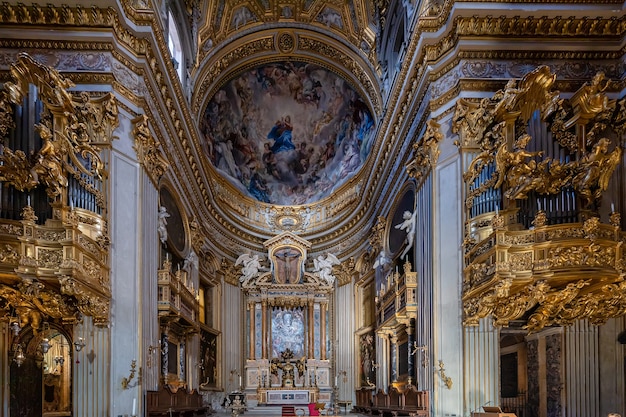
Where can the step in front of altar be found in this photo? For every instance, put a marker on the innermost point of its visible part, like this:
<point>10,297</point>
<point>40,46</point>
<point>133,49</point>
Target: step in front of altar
<point>264,410</point>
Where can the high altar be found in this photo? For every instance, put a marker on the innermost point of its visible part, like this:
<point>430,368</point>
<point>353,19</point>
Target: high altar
<point>288,325</point>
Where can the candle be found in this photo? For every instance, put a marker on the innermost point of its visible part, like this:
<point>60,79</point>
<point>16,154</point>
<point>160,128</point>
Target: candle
<point>538,204</point>
<point>28,200</point>
<point>240,381</point>
<point>134,406</point>
<point>335,380</point>
<point>497,209</point>
<point>612,207</point>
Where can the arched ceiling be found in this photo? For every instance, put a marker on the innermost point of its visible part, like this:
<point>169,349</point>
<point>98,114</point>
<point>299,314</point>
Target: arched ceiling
<point>287,98</point>
<point>354,21</point>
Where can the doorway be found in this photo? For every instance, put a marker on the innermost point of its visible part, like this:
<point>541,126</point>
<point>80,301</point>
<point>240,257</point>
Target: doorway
<point>41,374</point>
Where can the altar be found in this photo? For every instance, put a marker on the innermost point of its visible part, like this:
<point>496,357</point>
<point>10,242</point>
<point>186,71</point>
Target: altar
<point>288,326</point>
<point>270,396</point>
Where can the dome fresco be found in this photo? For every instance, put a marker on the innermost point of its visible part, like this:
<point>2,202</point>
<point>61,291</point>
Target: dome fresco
<point>287,133</point>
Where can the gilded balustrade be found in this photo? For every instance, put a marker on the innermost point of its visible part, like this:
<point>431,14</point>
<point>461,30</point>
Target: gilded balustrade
<point>177,297</point>
<point>58,270</point>
<point>396,301</point>
<point>549,275</point>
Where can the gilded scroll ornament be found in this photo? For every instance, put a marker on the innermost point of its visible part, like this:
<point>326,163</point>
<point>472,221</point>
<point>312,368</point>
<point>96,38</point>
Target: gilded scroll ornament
<point>426,151</point>
<point>148,150</point>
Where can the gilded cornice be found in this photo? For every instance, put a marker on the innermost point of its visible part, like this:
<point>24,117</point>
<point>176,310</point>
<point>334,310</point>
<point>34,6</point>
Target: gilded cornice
<point>53,15</point>
<point>543,26</point>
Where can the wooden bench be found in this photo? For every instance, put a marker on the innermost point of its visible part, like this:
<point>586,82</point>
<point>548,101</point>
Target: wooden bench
<point>175,403</point>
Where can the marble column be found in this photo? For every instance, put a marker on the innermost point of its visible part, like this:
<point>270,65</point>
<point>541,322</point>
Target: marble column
<point>311,328</point>
<point>382,360</point>
<point>251,330</point>
<point>411,358</point>
<point>323,307</point>
<point>264,330</point>
<point>393,354</point>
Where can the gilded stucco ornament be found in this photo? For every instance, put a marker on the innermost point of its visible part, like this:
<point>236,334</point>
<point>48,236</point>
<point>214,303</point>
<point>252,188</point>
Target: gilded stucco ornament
<point>426,152</point>
<point>489,124</point>
<point>72,132</point>
<point>148,150</point>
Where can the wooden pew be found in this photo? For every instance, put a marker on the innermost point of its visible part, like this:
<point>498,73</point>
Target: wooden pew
<point>410,402</point>
<point>180,403</point>
<point>363,401</point>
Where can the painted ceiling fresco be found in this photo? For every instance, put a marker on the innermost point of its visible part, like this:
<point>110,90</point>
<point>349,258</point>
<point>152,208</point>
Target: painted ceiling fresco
<point>287,133</point>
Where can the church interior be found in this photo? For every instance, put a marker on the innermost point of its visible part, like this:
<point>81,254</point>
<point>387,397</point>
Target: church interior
<point>312,207</point>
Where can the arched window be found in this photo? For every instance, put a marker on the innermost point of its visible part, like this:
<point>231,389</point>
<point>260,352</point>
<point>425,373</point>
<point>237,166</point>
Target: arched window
<point>174,44</point>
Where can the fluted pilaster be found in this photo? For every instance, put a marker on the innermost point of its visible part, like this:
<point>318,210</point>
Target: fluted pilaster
<point>150,256</point>
<point>233,348</point>
<point>482,362</point>
<point>344,330</point>
<point>582,364</point>
<point>91,376</point>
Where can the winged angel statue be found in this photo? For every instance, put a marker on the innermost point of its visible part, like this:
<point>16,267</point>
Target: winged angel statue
<point>251,266</point>
<point>324,267</point>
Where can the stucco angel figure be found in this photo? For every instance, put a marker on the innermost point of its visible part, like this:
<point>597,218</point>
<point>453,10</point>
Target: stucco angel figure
<point>251,266</point>
<point>409,226</point>
<point>162,227</point>
<point>324,267</point>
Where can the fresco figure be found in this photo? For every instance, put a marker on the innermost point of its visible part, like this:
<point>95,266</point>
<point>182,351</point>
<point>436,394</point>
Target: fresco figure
<point>281,133</point>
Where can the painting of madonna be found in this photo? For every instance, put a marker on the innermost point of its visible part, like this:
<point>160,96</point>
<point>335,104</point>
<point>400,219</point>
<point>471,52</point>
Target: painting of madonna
<point>287,133</point>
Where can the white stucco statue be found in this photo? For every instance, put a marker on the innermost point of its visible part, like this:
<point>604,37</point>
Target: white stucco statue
<point>162,226</point>
<point>191,261</point>
<point>251,266</point>
<point>382,260</point>
<point>324,267</point>
<point>409,226</point>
